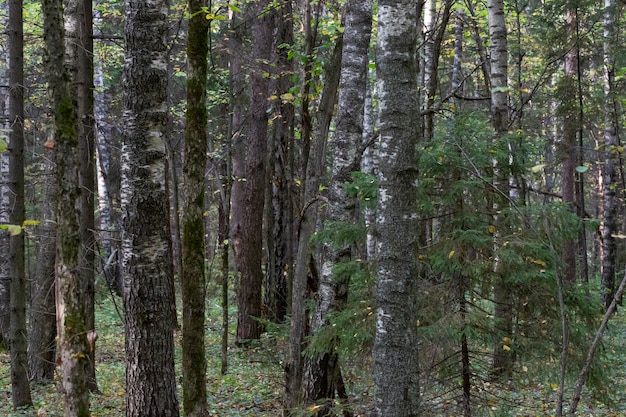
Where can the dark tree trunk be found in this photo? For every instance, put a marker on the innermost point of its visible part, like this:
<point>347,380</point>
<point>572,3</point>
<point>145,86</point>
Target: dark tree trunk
<point>20,388</point>
<point>79,49</point>
<point>41,325</point>
<point>148,296</point>
<point>194,167</point>
<point>281,209</point>
<point>249,160</point>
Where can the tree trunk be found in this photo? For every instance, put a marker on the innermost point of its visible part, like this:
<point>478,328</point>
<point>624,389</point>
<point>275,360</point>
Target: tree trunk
<point>79,50</point>
<point>148,296</point>
<point>249,156</point>
<point>5,203</point>
<point>41,324</point>
<point>72,348</point>
<point>610,183</point>
<point>194,167</point>
<point>503,308</point>
<point>20,388</point>
<point>333,290</point>
<point>396,376</point>
<point>308,220</point>
<point>281,235</point>
<point>569,128</point>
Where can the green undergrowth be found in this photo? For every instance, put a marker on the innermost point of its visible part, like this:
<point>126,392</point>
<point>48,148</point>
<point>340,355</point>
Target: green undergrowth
<point>254,383</point>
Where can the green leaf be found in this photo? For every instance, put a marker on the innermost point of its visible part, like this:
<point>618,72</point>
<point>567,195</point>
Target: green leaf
<point>581,169</point>
<point>3,146</point>
<point>13,229</point>
<point>233,8</point>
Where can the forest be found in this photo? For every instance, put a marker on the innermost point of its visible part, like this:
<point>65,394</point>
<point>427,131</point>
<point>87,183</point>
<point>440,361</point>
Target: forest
<point>388,208</point>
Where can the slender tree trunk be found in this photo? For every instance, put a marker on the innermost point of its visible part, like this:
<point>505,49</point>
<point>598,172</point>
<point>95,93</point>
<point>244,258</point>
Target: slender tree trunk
<point>41,324</point>
<point>5,203</point>
<point>437,27</point>
<point>396,374</point>
<point>20,388</point>
<point>194,167</point>
<point>503,309</point>
<point>322,369</point>
<point>148,295</point>
<point>610,183</point>
<point>79,50</point>
<point>569,113</point>
<point>72,347</point>
<point>281,251</point>
<point>249,160</point>
<point>308,218</point>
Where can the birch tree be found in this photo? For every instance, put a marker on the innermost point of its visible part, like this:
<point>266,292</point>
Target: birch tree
<point>503,308</point>
<point>323,374</point>
<point>396,376</point>
<point>148,297</point>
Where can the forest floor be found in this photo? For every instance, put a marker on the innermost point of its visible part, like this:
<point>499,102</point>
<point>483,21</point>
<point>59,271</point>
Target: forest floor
<point>253,385</point>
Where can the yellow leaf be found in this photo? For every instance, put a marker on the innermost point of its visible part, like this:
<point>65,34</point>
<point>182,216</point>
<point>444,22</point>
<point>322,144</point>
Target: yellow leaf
<point>287,97</point>
<point>537,168</point>
<point>30,223</point>
<point>491,229</point>
<point>539,262</point>
<point>506,340</point>
<point>451,254</point>
<point>506,347</point>
<point>525,368</point>
<point>314,407</point>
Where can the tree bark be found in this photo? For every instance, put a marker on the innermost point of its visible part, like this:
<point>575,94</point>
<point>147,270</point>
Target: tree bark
<point>281,182</point>
<point>79,52</point>
<point>72,348</point>
<point>249,164</point>
<point>41,324</point>
<point>148,296</point>
<point>194,167</point>
<point>396,376</point>
<point>320,381</point>
<point>20,388</point>
<point>569,111</point>
<point>308,219</point>
<point>610,183</point>
<point>503,308</point>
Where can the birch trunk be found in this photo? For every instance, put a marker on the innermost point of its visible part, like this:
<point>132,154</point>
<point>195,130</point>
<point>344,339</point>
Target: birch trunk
<point>322,376</point>
<point>308,219</point>
<point>148,295</point>
<point>396,373</point>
